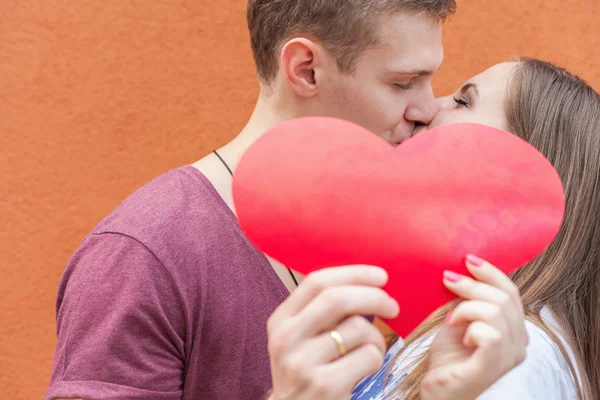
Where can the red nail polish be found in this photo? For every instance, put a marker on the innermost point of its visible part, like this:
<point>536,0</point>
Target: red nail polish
<point>448,318</point>
<point>452,276</point>
<point>475,261</point>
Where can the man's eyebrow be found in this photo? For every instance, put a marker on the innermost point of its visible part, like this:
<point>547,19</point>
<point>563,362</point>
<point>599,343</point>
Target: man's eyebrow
<point>419,72</point>
<point>468,86</point>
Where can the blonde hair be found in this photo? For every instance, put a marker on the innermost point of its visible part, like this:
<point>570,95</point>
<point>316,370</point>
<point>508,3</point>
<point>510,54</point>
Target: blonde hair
<point>345,27</point>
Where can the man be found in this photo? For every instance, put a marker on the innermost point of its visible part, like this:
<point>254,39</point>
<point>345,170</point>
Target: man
<point>166,298</point>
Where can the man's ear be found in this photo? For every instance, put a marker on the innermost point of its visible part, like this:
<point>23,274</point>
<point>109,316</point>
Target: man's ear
<point>301,60</point>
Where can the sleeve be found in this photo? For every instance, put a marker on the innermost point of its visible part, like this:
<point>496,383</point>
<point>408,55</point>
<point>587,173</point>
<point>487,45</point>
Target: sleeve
<point>544,374</point>
<point>120,325</point>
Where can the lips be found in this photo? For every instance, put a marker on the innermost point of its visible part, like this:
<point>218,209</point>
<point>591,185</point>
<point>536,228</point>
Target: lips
<point>419,129</point>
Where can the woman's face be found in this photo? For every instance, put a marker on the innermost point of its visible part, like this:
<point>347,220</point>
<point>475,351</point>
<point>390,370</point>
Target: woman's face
<point>480,100</point>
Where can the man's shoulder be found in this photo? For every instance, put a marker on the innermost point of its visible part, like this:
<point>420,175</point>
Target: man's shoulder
<point>177,218</point>
<point>180,202</point>
<point>171,229</point>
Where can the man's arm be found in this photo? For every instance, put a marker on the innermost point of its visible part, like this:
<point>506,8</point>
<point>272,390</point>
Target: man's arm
<point>120,325</point>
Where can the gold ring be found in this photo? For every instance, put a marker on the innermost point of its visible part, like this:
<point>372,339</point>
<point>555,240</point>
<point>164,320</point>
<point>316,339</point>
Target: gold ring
<point>339,342</point>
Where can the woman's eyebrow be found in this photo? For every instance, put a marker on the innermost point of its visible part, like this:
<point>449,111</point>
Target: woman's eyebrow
<point>468,86</point>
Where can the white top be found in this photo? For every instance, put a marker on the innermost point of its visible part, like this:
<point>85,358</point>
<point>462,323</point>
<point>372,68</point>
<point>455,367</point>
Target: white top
<point>544,375</point>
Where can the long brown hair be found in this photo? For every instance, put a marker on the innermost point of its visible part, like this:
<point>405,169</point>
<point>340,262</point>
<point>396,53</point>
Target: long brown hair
<point>559,114</point>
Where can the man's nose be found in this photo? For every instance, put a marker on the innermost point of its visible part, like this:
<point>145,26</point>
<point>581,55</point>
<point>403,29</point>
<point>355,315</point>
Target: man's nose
<point>423,109</point>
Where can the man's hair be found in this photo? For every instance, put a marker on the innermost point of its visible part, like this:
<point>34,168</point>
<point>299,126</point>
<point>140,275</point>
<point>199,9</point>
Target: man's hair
<point>345,28</point>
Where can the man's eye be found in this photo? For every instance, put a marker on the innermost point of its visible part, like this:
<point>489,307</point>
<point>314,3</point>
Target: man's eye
<point>403,86</point>
<point>462,101</point>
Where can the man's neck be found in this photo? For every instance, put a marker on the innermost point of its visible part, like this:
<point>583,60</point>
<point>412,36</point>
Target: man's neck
<point>265,116</point>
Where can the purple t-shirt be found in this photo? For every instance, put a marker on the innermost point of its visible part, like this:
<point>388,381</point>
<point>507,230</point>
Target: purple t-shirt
<point>166,299</point>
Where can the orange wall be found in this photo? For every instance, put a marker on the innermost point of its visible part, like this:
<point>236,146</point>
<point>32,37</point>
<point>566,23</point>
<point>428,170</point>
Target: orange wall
<point>98,97</point>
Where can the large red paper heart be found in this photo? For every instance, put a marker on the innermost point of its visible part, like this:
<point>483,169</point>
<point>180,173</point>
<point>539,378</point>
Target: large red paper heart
<point>319,192</point>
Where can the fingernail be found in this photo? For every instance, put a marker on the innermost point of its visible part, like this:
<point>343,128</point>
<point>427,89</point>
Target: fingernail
<point>380,275</point>
<point>452,276</point>
<point>475,261</point>
<point>448,318</point>
<point>394,306</point>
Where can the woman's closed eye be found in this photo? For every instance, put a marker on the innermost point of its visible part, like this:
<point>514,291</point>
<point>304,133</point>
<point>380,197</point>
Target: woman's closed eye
<point>462,101</point>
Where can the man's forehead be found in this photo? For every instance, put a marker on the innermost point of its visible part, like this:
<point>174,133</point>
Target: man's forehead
<point>410,28</point>
<point>423,62</point>
<point>410,44</point>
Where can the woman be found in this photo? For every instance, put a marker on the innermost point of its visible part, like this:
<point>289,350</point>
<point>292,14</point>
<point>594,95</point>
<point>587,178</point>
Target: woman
<point>560,115</point>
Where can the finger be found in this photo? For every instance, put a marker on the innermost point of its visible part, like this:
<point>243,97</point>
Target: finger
<point>485,272</point>
<point>485,366</point>
<point>336,380</point>
<point>313,353</point>
<point>482,335</point>
<point>445,381</point>
<point>318,281</point>
<point>471,289</point>
<point>355,332</point>
<point>473,311</point>
<point>491,355</point>
<point>335,304</point>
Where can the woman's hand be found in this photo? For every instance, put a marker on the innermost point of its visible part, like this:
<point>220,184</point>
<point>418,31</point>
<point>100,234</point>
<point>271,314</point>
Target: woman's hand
<point>481,340</point>
<point>320,346</point>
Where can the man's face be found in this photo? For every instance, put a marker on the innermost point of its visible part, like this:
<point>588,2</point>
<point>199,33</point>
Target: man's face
<point>390,91</point>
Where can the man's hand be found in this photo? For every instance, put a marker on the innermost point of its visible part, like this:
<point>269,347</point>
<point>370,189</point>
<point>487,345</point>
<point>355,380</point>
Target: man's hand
<point>319,343</point>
